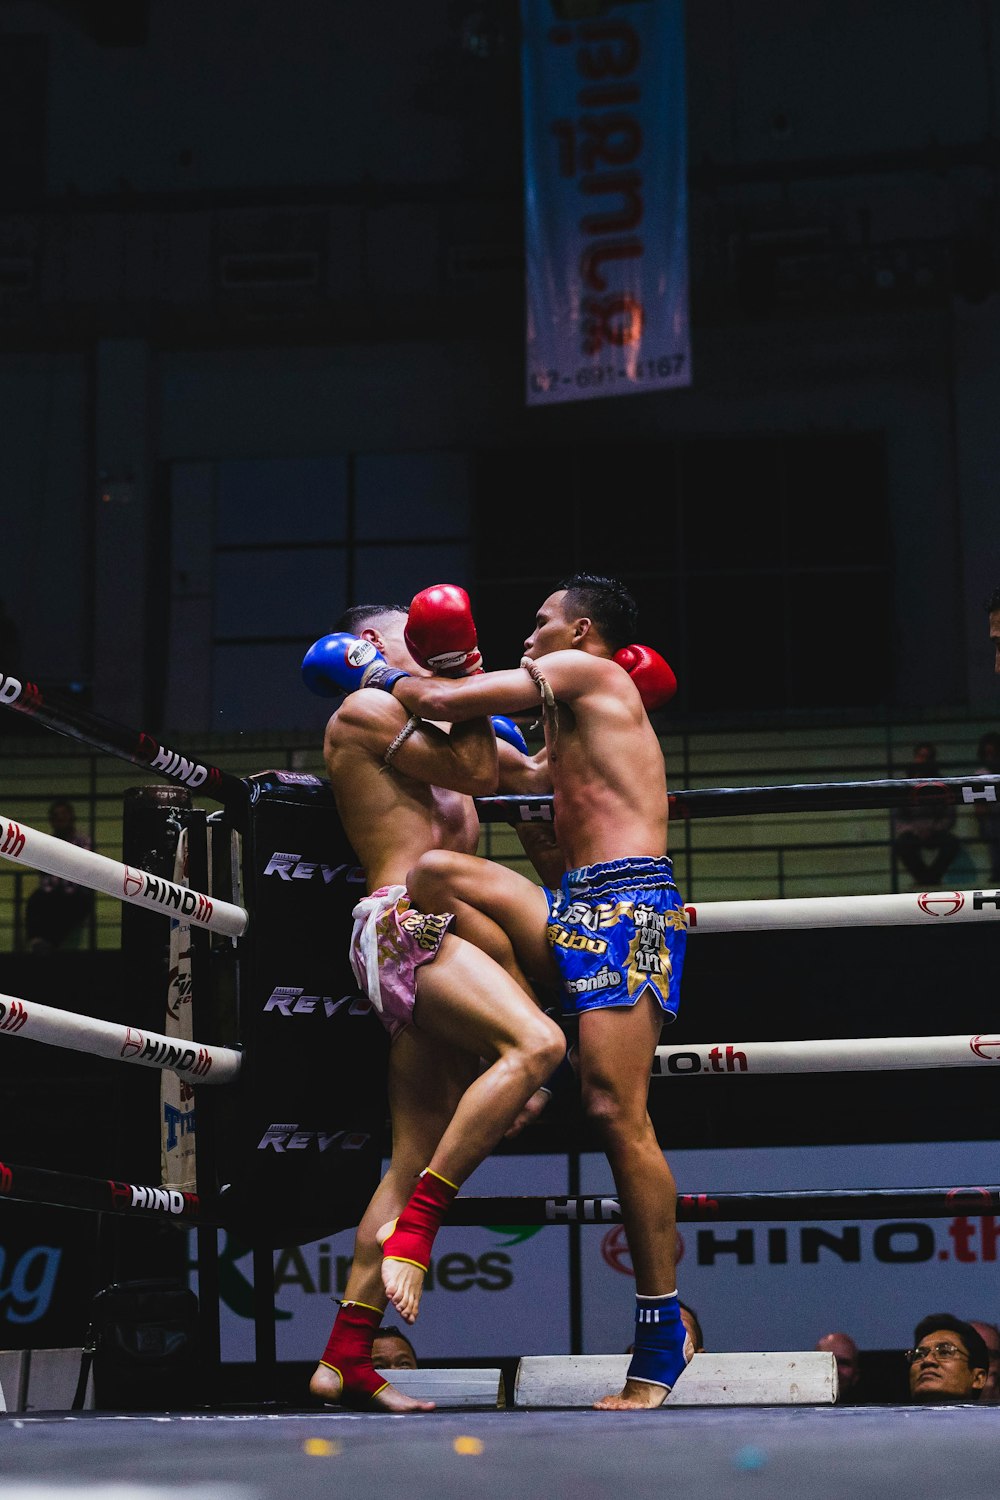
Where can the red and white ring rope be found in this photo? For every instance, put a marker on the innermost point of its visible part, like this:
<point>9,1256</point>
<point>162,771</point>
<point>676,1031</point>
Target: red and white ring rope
<point>42,851</point>
<point>843,911</point>
<point>61,1028</point>
<point>840,1055</point>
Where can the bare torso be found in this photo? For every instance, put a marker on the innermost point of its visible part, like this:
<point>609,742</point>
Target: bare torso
<point>389,818</point>
<point>608,775</point>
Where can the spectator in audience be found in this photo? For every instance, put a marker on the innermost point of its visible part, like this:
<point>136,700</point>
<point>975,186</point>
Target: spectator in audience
<point>988,813</point>
<point>949,1360</point>
<point>925,830</point>
<point>993,615</point>
<point>990,1334</point>
<point>845,1352</point>
<point>58,910</point>
<point>392,1350</point>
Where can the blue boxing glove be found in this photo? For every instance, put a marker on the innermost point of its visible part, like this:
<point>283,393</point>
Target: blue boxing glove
<point>342,663</point>
<point>507,730</point>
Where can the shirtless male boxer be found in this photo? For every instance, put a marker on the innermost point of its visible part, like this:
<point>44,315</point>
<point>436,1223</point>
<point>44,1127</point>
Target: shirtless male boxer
<point>403,787</point>
<point>614,932</point>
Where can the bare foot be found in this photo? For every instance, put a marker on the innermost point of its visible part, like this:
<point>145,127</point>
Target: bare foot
<point>326,1385</point>
<point>403,1281</point>
<point>638,1395</point>
<point>529,1113</point>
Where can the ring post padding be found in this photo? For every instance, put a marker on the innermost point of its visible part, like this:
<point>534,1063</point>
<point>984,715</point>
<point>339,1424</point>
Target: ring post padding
<point>302,1132</point>
<point>54,856</point>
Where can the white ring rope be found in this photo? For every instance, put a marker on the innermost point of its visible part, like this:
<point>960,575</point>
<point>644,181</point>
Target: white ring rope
<point>843,911</point>
<point>61,1028</point>
<point>841,1055</point>
<point>42,851</point>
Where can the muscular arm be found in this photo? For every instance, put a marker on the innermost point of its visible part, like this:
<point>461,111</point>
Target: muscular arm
<point>463,761</point>
<point>458,699</point>
<point>526,775</point>
<point>570,674</point>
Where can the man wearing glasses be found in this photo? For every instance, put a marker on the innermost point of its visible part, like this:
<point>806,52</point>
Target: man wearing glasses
<point>949,1360</point>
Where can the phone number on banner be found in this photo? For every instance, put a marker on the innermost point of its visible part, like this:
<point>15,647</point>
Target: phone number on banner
<point>664,367</point>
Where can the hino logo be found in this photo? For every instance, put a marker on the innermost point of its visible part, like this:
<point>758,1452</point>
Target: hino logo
<point>139,883</point>
<point>288,1001</point>
<point>291,1138</point>
<point>294,867</point>
<point>175,765</point>
<point>162,1053</point>
<point>161,1200</point>
<point>582,1211</point>
<point>11,691</point>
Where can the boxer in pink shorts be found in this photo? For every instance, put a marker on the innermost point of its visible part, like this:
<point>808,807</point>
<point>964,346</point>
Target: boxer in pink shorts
<point>389,943</point>
<point>469,1044</point>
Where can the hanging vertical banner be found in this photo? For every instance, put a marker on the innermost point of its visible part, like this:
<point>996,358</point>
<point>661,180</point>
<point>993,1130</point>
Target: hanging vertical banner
<point>605,180</point>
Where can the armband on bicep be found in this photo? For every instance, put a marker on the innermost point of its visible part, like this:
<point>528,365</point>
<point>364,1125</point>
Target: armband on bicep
<point>401,738</point>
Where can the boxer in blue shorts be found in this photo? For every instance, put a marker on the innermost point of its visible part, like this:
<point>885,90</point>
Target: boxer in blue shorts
<point>610,930</point>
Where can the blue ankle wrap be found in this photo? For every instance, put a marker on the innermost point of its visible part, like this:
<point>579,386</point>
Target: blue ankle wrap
<point>662,1348</point>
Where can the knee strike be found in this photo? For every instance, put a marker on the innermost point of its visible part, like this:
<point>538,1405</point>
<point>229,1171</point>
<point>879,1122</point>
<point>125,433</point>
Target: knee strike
<point>431,882</point>
<point>548,1047</point>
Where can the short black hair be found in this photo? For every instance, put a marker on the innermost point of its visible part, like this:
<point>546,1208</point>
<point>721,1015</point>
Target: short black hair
<point>392,1332</point>
<point>979,1355</point>
<point>355,619</point>
<point>993,602</point>
<point>607,602</point>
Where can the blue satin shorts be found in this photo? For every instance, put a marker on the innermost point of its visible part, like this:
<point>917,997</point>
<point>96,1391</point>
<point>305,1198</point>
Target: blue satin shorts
<point>618,931</point>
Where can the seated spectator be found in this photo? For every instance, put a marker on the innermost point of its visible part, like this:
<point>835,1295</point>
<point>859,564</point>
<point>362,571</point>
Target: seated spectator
<point>988,813</point>
<point>845,1352</point>
<point>949,1360</point>
<point>923,839</point>
<point>991,1338</point>
<point>57,911</point>
<point>392,1350</point>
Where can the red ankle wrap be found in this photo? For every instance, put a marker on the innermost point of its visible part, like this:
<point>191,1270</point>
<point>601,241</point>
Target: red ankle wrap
<point>349,1351</point>
<point>413,1236</point>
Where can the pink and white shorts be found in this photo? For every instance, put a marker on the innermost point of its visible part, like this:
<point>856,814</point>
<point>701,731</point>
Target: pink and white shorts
<point>389,943</point>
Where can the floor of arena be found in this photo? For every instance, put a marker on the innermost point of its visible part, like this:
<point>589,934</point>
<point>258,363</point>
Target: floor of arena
<point>761,1452</point>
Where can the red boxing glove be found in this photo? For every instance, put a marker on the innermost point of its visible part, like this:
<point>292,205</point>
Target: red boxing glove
<point>651,674</point>
<point>440,633</point>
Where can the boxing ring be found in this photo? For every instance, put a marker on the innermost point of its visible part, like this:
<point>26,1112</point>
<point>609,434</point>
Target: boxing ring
<point>289,1145</point>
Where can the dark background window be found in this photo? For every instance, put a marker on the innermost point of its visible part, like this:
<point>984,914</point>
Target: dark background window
<point>761,564</point>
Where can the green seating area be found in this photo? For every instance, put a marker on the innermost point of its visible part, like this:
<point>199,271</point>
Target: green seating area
<point>716,859</point>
